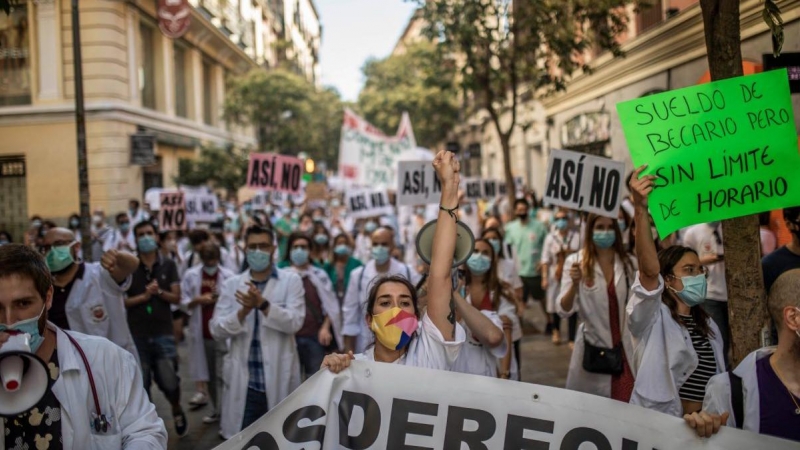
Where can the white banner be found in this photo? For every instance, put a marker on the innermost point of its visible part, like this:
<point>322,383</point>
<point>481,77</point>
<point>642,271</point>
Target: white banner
<point>389,406</point>
<point>367,203</point>
<point>417,183</point>
<point>584,182</point>
<point>367,157</point>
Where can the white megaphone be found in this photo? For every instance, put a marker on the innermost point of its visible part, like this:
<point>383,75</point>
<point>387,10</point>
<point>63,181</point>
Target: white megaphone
<point>465,243</point>
<point>23,376</point>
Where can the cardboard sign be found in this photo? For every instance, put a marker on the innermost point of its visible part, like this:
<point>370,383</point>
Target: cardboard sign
<point>172,214</point>
<point>316,191</point>
<point>719,150</point>
<point>367,203</point>
<point>391,406</point>
<point>417,183</point>
<point>273,172</point>
<point>584,182</point>
<point>201,207</point>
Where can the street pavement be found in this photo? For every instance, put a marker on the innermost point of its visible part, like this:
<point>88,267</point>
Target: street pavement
<point>542,363</point>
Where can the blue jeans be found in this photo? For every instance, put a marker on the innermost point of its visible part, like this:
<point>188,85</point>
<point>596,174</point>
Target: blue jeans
<point>159,359</point>
<point>311,354</point>
<point>255,406</point>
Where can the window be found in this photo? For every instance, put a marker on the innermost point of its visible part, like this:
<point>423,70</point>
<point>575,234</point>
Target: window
<point>650,16</point>
<point>208,91</point>
<point>179,55</point>
<point>147,69</point>
<point>15,69</point>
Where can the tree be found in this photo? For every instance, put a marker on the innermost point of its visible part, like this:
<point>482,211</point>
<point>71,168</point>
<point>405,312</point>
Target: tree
<point>536,45</point>
<point>746,305</point>
<point>219,167</point>
<point>287,112</point>
<point>419,81</point>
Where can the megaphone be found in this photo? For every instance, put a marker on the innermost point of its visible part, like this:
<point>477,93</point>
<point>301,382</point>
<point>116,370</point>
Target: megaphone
<point>23,376</point>
<point>465,242</point>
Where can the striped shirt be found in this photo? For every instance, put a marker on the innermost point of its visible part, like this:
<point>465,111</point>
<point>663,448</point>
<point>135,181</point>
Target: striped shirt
<point>255,361</point>
<point>694,389</point>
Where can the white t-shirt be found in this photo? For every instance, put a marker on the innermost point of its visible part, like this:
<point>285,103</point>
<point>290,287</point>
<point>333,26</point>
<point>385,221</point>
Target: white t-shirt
<point>427,349</point>
<point>701,239</point>
<point>477,359</point>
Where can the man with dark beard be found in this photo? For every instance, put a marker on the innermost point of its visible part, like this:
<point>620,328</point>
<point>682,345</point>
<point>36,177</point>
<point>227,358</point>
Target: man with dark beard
<point>88,297</point>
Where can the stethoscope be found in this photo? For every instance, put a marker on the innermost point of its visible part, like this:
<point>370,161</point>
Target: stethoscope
<point>99,421</point>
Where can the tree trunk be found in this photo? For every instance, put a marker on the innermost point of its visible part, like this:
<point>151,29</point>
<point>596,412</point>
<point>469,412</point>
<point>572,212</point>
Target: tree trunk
<point>511,190</point>
<point>743,276</point>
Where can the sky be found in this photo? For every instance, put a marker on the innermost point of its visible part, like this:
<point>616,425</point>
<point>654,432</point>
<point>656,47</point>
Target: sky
<point>354,30</point>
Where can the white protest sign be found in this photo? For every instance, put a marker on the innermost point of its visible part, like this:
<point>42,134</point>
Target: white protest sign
<point>473,188</point>
<point>367,157</point>
<point>367,203</point>
<point>391,406</point>
<point>584,182</point>
<point>417,183</point>
<point>201,207</point>
<point>172,214</point>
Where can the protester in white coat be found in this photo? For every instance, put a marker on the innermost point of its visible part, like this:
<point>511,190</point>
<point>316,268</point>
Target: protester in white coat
<point>199,293</point>
<point>121,237</point>
<point>767,380</point>
<point>25,298</point>
<point>392,311</point>
<point>89,297</point>
<point>596,283</point>
<point>677,346</point>
<point>559,243</point>
<point>259,311</point>
<point>356,334</point>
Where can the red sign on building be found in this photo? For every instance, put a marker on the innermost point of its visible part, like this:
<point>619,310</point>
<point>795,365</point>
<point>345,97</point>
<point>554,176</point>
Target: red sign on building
<point>174,17</point>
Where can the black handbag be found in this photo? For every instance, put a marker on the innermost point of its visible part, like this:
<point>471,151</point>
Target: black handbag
<point>602,360</point>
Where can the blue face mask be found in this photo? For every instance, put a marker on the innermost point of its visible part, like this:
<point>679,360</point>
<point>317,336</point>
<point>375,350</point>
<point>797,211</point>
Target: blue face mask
<point>210,270</point>
<point>125,227</point>
<point>479,264</point>
<point>369,227</point>
<point>604,239</point>
<point>321,239</point>
<point>495,243</point>
<point>622,224</point>
<point>694,290</point>
<point>59,258</point>
<point>380,254</point>
<point>561,224</point>
<point>29,327</point>
<point>299,256</point>
<point>258,260</point>
<point>342,250</point>
<point>75,223</point>
<point>146,244</point>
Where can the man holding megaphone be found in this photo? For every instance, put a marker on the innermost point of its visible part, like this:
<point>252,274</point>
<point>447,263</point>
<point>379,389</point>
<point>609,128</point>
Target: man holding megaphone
<point>89,393</point>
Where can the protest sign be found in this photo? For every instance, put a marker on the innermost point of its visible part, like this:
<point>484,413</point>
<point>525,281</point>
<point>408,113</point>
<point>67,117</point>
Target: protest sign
<point>172,215</point>
<point>317,191</point>
<point>201,207</point>
<point>367,203</point>
<point>417,183</point>
<point>274,172</point>
<point>385,406</point>
<point>367,157</point>
<point>584,182</point>
<point>719,150</point>
<point>473,189</point>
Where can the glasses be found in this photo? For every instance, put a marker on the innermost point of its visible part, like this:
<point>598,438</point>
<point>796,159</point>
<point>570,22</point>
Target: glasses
<point>692,271</point>
<point>45,248</point>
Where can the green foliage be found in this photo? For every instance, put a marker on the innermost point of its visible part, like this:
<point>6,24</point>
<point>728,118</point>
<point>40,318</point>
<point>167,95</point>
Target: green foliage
<point>420,81</point>
<point>218,167</point>
<point>288,113</point>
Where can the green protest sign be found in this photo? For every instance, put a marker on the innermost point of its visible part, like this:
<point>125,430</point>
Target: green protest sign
<point>719,150</point>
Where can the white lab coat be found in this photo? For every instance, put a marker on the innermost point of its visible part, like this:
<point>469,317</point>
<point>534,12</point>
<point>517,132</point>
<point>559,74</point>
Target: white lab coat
<point>363,249</point>
<point>476,359</point>
<point>553,244</point>
<point>190,288</point>
<point>285,317</point>
<point>592,302</point>
<point>190,260</point>
<point>718,393</point>
<point>354,308</point>
<point>330,304</point>
<point>96,306</point>
<point>116,241</point>
<point>118,380</point>
<point>664,356</point>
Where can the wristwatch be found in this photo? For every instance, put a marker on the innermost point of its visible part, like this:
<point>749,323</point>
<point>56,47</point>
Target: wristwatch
<point>264,306</point>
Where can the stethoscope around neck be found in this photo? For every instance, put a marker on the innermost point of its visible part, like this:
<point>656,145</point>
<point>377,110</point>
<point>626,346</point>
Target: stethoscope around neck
<point>99,422</point>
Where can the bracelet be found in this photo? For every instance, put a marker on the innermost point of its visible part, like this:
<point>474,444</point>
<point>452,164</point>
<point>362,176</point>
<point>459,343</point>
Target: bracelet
<point>451,211</point>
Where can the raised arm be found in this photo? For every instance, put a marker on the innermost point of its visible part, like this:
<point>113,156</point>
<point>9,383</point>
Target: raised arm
<point>641,187</point>
<point>440,287</point>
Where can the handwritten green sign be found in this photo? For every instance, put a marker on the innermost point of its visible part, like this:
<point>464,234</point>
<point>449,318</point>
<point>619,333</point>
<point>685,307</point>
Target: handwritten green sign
<point>719,150</point>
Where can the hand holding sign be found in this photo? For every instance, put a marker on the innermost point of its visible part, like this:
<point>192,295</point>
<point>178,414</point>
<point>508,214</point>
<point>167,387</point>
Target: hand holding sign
<point>641,187</point>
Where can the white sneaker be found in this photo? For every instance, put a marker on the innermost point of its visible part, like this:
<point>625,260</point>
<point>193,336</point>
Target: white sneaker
<point>214,418</point>
<point>199,399</point>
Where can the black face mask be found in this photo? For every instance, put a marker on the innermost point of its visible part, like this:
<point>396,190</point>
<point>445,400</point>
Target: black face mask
<point>522,217</point>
